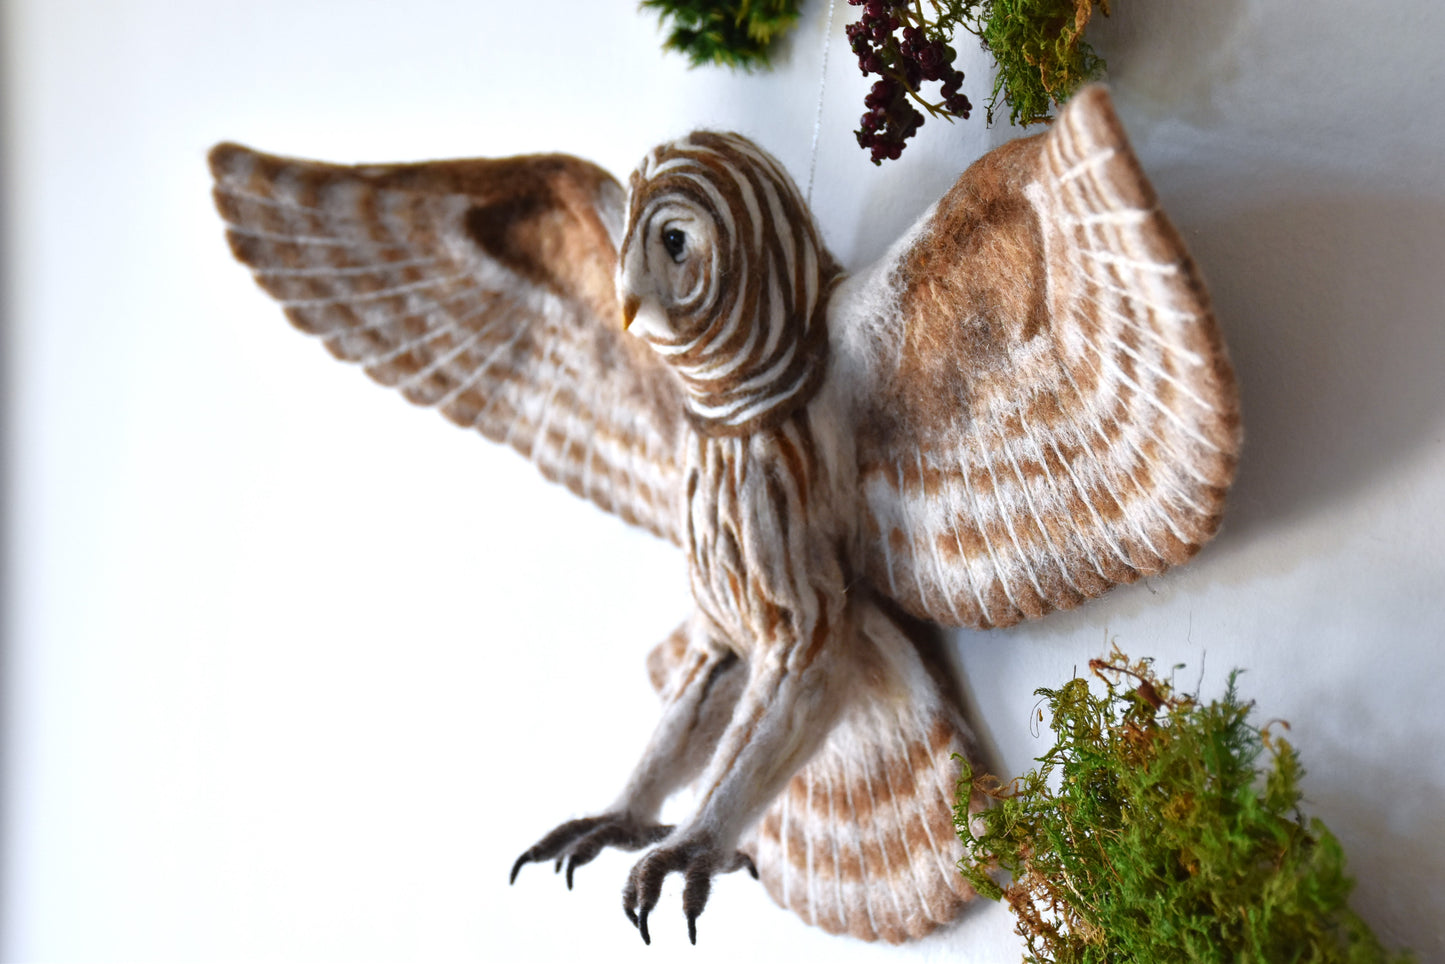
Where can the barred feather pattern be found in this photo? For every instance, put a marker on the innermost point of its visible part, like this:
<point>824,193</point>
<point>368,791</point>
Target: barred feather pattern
<point>1058,414</point>
<point>744,328</point>
<point>751,536</point>
<point>1026,402</point>
<point>862,841</point>
<point>498,324</point>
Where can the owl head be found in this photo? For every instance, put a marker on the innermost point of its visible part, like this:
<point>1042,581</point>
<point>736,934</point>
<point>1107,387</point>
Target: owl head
<point>723,273</point>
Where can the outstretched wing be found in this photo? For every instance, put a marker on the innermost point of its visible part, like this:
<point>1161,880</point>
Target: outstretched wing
<point>1048,408</point>
<point>483,288</point>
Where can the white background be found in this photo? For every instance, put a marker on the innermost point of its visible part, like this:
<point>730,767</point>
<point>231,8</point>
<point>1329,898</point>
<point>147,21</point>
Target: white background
<point>293,670</point>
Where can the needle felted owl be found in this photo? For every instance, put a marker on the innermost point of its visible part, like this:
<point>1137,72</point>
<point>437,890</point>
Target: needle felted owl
<point>1024,403</point>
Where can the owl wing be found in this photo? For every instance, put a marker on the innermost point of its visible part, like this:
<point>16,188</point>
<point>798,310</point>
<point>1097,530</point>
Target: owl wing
<point>1048,408</point>
<point>482,288</point>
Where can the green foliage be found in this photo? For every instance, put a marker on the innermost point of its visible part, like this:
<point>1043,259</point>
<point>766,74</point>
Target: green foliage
<point>1149,834</point>
<point>731,33</point>
<point>1037,45</point>
<point>1039,50</point>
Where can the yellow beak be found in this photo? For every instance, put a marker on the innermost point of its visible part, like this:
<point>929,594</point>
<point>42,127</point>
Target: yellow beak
<point>629,311</point>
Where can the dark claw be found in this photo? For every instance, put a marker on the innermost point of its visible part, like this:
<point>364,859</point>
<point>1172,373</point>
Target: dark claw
<point>697,861</point>
<point>555,844</point>
<point>695,893</point>
<point>629,898</point>
<point>747,864</point>
<point>576,842</point>
<point>644,886</point>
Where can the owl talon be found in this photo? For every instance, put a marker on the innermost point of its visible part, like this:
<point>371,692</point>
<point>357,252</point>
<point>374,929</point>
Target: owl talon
<point>698,862</point>
<point>746,863</point>
<point>642,927</point>
<point>577,842</point>
<point>572,865</point>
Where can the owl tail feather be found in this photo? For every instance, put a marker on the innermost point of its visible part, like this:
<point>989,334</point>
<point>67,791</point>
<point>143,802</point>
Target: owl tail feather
<point>861,840</point>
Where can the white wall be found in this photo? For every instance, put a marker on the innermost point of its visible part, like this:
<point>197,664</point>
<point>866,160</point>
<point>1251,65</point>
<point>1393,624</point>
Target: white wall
<point>294,670</point>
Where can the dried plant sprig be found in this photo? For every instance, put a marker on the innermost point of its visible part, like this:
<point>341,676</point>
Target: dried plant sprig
<point>905,47</point>
<point>1150,832</point>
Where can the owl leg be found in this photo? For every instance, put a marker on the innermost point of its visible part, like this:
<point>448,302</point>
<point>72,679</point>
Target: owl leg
<point>698,696</point>
<point>784,711</point>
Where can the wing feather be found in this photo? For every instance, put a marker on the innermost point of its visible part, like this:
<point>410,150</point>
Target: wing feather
<point>480,288</point>
<point>861,841</point>
<point>1051,410</point>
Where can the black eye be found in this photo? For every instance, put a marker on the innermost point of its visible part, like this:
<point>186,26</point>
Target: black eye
<point>675,242</point>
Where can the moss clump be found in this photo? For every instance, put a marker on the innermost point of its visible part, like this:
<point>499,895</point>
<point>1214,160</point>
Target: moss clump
<point>1039,49</point>
<point>1149,833</point>
<point>731,33</point>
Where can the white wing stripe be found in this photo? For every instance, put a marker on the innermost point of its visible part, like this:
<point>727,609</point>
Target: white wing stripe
<point>314,239</point>
<point>1138,264</point>
<point>1038,517</point>
<point>1127,508</point>
<point>889,874</point>
<point>941,573</point>
<point>368,296</point>
<point>1057,486</point>
<point>1087,165</point>
<point>363,270</point>
<point>1007,511</point>
<point>980,519</point>
<point>1148,396</point>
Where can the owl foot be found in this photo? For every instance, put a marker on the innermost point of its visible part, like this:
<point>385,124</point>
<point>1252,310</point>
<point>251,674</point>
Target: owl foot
<point>576,842</point>
<point>697,861</point>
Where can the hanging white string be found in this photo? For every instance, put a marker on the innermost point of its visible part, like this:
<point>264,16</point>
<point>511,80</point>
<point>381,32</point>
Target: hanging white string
<point>818,115</point>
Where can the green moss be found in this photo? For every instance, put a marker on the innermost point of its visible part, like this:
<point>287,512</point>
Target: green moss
<point>1040,53</point>
<point>1037,45</point>
<point>730,33</point>
<point>1150,833</point>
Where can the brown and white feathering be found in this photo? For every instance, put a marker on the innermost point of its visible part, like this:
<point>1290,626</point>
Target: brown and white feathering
<point>1091,434</point>
<point>1026,402</point>
<point>862,840</point>
<point>481,288</point>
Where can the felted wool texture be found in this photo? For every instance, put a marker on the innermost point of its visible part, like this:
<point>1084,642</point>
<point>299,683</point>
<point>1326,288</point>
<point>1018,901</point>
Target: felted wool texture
<point>1026,402</point>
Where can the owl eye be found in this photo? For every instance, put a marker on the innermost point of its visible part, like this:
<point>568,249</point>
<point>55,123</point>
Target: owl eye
<point>675,243</point>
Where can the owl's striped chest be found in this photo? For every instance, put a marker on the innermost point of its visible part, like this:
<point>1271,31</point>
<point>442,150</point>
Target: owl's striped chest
<point>763,532</point>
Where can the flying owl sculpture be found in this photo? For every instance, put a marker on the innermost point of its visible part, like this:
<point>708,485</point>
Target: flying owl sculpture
<point>1024,403</point>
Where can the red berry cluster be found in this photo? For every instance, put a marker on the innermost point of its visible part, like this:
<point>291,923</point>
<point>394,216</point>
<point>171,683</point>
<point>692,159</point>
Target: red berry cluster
<point>904,65</point>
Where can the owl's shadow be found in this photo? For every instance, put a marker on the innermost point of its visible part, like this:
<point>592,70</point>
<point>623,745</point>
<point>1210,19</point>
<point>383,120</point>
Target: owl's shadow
<point>1332,298</point>
<point>1326,277</point>
<point>1333,305</point>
